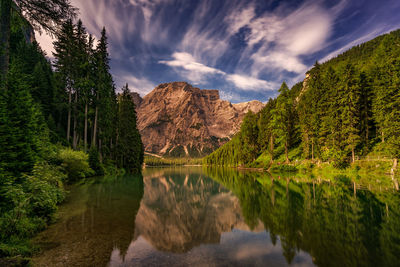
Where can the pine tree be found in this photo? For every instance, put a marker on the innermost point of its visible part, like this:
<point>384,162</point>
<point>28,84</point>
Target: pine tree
<point>266,129</point>
<point>350,104</point>
<point>129,146</point>
<point>249,138</point>
<point>64,63</point>
<point>105,99</point>
<point>283,117</point>
<point>45,15</point>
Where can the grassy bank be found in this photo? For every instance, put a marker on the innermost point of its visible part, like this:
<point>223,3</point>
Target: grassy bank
<point>152,161</point>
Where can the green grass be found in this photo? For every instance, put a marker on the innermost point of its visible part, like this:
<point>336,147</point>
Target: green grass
<point>155,161</point>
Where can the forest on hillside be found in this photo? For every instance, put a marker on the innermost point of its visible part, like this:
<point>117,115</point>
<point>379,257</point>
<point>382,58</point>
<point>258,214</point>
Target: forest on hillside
<point>60,120</point>
<point>346,108</point>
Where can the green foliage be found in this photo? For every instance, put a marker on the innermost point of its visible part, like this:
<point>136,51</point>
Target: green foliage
<point>94,162</point>
<point>282,168</point>
<point>155,161</point>
<point>27,205</point>
<point>129,147</point>
<point>75,164</point>
<point>345,108</point>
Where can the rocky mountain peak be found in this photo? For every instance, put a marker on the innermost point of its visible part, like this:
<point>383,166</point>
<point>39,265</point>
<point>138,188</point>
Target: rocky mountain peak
<point>177,119</point>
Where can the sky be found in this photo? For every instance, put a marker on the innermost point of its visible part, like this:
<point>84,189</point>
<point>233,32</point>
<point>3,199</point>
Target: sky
<point>244,48</point>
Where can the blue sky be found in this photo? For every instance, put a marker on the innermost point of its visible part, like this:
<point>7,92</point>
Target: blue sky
<point>243,48</point>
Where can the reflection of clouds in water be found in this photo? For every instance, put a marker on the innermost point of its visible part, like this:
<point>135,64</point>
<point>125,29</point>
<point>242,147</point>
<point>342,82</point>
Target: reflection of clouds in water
<point>236,248</point>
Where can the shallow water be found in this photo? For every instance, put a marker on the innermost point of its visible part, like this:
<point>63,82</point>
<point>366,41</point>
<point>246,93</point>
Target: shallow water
<point>219,217</point>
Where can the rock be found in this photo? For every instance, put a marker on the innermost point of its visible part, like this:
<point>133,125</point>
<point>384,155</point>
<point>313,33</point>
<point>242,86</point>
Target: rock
<point>177,119</point>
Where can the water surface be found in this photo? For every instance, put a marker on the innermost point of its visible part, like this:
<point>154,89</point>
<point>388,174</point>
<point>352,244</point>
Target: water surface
<point>221,217</point>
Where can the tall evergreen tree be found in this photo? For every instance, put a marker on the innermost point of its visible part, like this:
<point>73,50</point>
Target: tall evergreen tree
<point>283,117</point>
<point>129,144</point>
<point>41,14</point>
<point>64,64</point>
<point>249,138</point>
<point>350,104</point>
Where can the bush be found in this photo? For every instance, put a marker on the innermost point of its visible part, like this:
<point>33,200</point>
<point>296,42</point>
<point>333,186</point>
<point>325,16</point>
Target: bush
<point>27,205</point>
<point>340,160</point>
<point>75,164</point>
<point>342,179</point>
<point>284,168</point>
<point>45,189</point>
<point>94,161</point>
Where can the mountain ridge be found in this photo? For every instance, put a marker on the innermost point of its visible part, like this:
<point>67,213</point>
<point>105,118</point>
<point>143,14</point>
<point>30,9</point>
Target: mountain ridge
<point>177,119</point>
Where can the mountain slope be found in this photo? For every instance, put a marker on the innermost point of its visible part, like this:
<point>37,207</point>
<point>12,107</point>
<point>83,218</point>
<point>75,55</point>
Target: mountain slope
<point>177,119</point>
<point>346,107</point>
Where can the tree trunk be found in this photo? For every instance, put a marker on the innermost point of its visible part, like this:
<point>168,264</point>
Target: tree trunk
<point>5,26</point>
<point>394,167</point>
<point>74,141</point>
<point>286,152</point>
<point>383,137</point>
<point>86,126</point>
<point>95,123</point>
<point>69,114</point>
<point>353,156</point>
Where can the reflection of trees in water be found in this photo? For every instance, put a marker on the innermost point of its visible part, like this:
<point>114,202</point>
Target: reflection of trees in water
<point>329,221</point>
<point>105,221</point>
<point>182,210</point>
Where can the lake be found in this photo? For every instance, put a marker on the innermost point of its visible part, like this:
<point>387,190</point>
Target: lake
<point>194,216</point>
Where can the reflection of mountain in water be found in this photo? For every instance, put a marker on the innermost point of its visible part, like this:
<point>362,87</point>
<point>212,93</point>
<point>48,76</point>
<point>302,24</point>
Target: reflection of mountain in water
<point>179,212</point>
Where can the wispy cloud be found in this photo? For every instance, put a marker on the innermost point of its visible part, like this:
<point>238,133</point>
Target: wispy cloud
<point>245,82</point>
<point>246,46</point>
<point>196,72</point>
<point>186,65</point>
<point>278,40</point>
<point>140,85</point>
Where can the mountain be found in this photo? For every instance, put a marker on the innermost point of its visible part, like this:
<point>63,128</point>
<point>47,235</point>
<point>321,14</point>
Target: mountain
<point>177,119</point>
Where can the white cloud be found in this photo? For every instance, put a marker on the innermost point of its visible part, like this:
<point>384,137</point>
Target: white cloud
<point>278,40</point>
<point>140,85</point>
<point>186,65</point>
<point>245,82</point>
<point>187,62</point>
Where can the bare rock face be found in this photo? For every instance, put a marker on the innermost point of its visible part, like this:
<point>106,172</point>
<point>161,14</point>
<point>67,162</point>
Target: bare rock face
<point>177,119</point>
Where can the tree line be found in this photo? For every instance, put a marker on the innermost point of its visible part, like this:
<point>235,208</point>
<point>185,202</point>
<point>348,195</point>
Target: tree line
<point>346,108</point>
<point>92,114</point>
<point>59,121</point>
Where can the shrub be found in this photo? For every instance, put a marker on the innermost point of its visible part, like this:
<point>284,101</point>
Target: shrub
<point>284,168</point>
<point>340,160</point>
<point>45,190</point>
<point>28,203</point>
<point>342,179</point>
<point>94,161</point>
<point>75,164</point>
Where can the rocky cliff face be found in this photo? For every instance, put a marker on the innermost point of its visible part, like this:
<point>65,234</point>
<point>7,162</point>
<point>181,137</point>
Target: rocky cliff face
<point>177,119</point>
